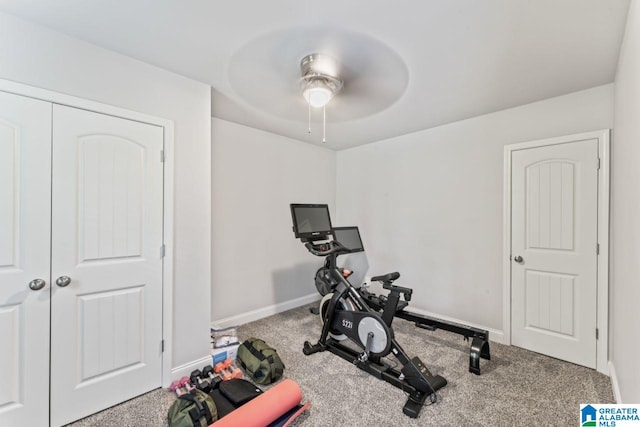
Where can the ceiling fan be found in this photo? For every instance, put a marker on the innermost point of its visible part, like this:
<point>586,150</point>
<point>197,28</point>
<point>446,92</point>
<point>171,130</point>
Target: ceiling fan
<point>356,74</point>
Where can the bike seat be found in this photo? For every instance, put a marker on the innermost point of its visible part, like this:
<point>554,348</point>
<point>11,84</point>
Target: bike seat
<point>389,277</point>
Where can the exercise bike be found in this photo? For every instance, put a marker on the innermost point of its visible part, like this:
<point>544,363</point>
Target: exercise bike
<point>346,315</point>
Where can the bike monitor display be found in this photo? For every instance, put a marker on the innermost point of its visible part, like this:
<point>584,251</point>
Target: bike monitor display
<point>311,222</point>
<point>349,237</point>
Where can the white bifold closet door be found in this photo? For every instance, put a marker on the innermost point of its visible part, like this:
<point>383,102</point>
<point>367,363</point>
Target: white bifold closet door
<point>81,218</point>
<point>25,219</point>
<point>106,323</point>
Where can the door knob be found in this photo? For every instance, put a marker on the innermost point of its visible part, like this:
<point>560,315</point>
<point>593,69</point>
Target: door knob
<point>518,258</point>
<point>63,281</point>
<point>36,284</point>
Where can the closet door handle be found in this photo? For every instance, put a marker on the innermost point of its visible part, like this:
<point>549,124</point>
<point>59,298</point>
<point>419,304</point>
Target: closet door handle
<point>36,284</point>
<point>63,281</point>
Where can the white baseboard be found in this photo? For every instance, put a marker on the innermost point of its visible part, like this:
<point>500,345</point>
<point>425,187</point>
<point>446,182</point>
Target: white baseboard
<point>495,335</point>
<point>186,369</point>
<point>260,313</point>
<point>614,383</point>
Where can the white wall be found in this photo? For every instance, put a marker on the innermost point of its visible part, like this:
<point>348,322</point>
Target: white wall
<point>39,57</point>
<point>625,215</point>
<point>429,204</point>
<point>257,264</point>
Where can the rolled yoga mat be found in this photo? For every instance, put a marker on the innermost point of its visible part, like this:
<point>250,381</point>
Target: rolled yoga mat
<point>266,408</point>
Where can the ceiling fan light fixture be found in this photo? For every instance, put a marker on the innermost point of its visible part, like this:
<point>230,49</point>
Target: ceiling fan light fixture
<point>320,81</point>
<point>317,93</point>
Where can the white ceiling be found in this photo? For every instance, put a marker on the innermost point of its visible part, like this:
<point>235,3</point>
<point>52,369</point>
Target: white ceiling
<point>408,65</point>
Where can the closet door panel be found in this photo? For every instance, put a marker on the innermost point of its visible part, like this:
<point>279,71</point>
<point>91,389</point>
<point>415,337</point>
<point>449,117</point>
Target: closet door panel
<point>25,197</point>
<point>107,238</point>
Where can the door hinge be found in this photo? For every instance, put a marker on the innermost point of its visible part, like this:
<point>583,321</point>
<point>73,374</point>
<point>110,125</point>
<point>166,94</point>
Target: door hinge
<point>162,251</point>
<point>597,248</point>
<point>598,163</point>
<point>597,333</point>
<point>162,346</point>
<point>161,156</point>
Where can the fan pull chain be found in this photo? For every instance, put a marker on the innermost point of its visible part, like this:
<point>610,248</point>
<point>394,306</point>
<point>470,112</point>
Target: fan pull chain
<point>309,104</point>
<point>324,124</point>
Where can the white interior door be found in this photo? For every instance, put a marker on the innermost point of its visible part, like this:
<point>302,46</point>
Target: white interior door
<point>554,231</point>
<point>25,168</point>
<point>106,323</point>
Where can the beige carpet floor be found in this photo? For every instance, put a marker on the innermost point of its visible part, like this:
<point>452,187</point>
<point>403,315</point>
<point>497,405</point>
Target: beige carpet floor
<point>516,388</point>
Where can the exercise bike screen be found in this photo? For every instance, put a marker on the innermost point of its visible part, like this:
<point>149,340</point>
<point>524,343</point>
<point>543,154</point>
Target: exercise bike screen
<point>311,220</point>
<point>349,237</point>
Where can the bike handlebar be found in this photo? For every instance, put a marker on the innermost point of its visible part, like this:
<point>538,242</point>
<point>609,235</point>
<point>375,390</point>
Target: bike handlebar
<point>324,249</point>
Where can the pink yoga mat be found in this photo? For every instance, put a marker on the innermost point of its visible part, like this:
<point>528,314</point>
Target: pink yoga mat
<point>266,408</point>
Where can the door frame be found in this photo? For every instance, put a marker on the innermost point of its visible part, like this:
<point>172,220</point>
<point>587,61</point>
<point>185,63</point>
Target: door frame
<point>602,312</point>
<point>168,194</point>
